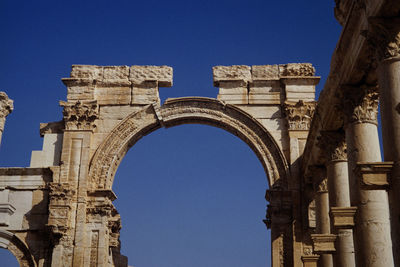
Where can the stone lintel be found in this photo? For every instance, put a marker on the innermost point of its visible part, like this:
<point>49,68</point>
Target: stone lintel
<point>343,217</point>
<point>323,243</point>
<point>374,175</point>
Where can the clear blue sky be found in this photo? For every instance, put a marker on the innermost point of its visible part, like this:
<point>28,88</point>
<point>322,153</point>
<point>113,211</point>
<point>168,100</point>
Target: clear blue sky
<point>191,195</point>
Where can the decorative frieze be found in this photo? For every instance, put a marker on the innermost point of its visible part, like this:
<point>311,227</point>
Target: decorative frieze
<point>343,217</point>
<point>332,145</point>
<point>60,196</point>
<point>383,35</point>
<point>80,115</point>
<point>299,115</point>
<point>359,104</point>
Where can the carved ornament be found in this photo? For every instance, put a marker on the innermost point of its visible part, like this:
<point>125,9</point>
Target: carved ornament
<point>299,115</point>
<point>322,186</point>
<point>383,35</point>
<point>80,115</point>
<point>333,145</point>
<point>296,69</point>
<point>6,107</point>
<point>360,104</point>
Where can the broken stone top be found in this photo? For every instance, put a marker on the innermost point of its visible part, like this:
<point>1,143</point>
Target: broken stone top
<point>246,74</point>
<point>135,74</point>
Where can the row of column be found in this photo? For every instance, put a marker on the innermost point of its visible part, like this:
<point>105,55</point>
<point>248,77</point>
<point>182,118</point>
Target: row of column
<point>363,199</point>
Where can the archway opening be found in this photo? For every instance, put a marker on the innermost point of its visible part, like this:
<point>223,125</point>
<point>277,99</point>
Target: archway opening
<point>192,196</point>
<point>7,258</point>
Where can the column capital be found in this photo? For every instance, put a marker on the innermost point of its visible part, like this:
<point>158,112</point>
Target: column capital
<point>359,104</point>
<point>319,178</point>
<point>299,114</point>
<point>79,115</point>
<point>6,107</point>
<point>383,35</point>
<point>332,145</point>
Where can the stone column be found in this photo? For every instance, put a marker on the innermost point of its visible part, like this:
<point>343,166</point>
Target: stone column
<point>322,215</point>
<point>333,146</point>
<point>373,243</point>
<point>6,107</point>
<point>278,219</point>
<point>384,36</point>
<point>299,115</point>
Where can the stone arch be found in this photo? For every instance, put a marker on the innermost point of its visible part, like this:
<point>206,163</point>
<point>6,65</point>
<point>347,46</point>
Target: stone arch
<point>187,110</point>
<point>17,247</point>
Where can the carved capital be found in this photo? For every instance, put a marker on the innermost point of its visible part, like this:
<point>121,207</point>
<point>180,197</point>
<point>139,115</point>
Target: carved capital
<point>60,196</point>
<point>321,186</point>
<point>333,145</point>
<point>359,104</point>
<point>6,107</point>
<point>80,115</point>
<point>383,35</point>
<point>299,114</point>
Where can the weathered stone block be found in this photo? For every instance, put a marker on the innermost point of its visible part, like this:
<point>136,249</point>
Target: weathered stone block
<point>296,69</point>
<point>265,87</point>
<point>343,217</point>
<point>323,243</point>
<point>115,72</point>
<point>161,74</point>
<point>374,175</point>
<point>273,98</point>
<point>87,71</point>
<point>234,99</point>
<point>265,72</point>
<point>113,95</point>
<point>231,73</point>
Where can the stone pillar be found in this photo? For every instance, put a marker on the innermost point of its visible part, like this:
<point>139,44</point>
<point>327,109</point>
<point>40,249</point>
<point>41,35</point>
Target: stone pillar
<point>384,36</point>
<point>333,146</point>
<point>373,243</point>
<point>278,219</point>
<point>299,115</point>
<point>322,215</point>
<point>6,107</point>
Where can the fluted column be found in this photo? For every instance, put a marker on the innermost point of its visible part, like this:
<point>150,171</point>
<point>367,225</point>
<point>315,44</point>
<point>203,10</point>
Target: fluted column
<point>6,107</point>
<point>373,243</point>
<point>333,145</point>
<point>384,36</point>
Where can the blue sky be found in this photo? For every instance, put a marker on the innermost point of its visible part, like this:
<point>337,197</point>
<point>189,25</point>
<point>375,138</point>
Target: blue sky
<point>191,195</point>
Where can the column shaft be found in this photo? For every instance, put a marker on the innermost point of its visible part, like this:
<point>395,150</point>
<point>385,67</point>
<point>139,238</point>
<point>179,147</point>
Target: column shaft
<point>372,231</point>
<point>323,224</point>
<point>389,92</point>
<point>339,196</point>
